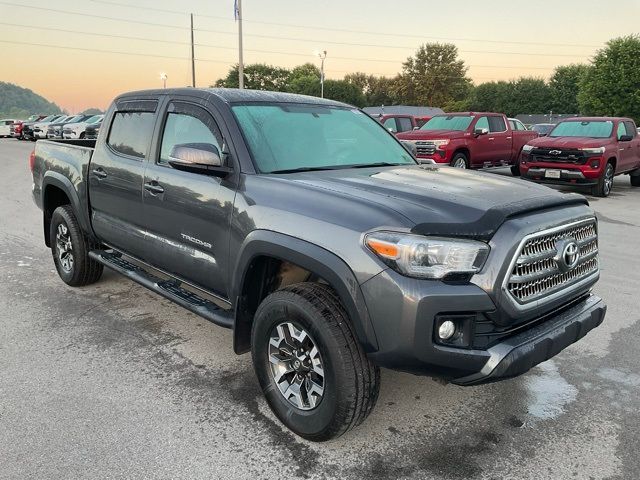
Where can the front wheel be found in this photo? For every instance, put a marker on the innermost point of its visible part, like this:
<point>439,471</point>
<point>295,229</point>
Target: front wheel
<point>460,160</point>
<point>605,182</point>
<point>515,170</point>
<point>311,368</point>
<point>70,248</point>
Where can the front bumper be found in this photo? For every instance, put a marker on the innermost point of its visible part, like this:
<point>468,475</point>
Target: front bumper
<point>565,176</point>
<point>403,312</point>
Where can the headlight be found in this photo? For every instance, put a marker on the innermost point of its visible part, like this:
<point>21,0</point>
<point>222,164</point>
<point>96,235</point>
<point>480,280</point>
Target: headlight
<point>527,148</point>
<point>427,257</point>
<point>593,151</point>
<point>440,143</point>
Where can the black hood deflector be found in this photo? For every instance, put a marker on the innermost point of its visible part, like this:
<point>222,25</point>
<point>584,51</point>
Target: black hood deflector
<point>486,226</point>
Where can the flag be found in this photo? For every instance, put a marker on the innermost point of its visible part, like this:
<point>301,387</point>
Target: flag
<point>236,11</point>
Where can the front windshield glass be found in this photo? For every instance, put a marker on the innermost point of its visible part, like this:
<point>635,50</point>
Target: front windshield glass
<point>448,122</point>
<point>596,129</point>
<point>291,137</point>
<point>94,119</point>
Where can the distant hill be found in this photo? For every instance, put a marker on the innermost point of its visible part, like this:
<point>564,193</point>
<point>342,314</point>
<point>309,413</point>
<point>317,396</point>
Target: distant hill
<point>18,102</point>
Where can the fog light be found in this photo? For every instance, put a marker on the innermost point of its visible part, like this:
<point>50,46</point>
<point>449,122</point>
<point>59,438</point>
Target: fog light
<point>447,330</point>
<point>595,164</point>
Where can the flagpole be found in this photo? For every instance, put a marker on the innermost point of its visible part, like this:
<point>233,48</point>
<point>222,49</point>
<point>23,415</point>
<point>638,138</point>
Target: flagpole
<point>240,60</point>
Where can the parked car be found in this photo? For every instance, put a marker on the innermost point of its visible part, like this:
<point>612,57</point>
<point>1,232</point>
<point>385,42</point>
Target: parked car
<point>54,130</point>
<point>92,130</point>
<point>304,225</point>
<point>16,129</point>
<point>40,128</point>
<point>516,124</point>
<point>27,127</point>
<point>470,140</point>
<point>587,151</point>
<point>397,123</point>
<point>5,126</point>
<point>77,130</point>
<point>543,129</point>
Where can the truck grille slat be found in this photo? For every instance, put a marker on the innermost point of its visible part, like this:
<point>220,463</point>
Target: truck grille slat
<point>425,147</point>
<point>537,270</point>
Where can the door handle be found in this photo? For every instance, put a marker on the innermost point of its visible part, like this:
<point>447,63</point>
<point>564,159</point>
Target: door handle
<point>154,188</point>
<point>491,138</point>
<point>100,173</point>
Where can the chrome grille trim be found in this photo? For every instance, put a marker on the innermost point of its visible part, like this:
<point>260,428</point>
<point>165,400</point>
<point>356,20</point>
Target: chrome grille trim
<point>534,275</point>
<point>425,147</point>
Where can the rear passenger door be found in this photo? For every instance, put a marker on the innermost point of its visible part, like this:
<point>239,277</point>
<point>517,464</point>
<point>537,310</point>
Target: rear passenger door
<point>186,214</point>
<point>631,155</point>
<point>501,139</point>
<point>116,175</point>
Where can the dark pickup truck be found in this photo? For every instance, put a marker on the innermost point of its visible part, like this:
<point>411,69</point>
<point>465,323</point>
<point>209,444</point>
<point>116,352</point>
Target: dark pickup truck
<point>307,228</point>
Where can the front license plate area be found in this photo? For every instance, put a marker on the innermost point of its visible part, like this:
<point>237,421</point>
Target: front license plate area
<point>552,174</point>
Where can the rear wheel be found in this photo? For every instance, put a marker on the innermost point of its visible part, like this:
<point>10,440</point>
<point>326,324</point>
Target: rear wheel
<point>635,178</point>
<point>312,370</point>
<point>605,182</point>
<point>70,248</point>
<point>460,160</point>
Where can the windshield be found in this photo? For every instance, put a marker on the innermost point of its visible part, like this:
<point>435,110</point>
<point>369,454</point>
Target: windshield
<point>450,122</point>
<point>542,128</point>
<point>94,119</point>
<point>288,137</point>
<point>595,129</point>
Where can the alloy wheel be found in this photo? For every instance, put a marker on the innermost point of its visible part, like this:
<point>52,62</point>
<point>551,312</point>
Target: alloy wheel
<point>64,247</point>
<point>608,179</point>
<point>296,366</point>
<point>460,163</point>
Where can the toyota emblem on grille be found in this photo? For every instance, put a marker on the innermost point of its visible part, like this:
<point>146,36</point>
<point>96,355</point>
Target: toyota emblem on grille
<point>568,254</point>
<point>555,152</point>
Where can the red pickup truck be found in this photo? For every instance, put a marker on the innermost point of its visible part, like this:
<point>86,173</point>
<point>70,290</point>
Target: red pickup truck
<point>585,151</point>
<point>470,140</point>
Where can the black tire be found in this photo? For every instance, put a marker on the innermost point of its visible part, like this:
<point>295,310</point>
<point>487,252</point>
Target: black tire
<point>515,170</point>
<point>82,135</point>
<point>458,160</point>
<point>82,270</point>
<point>605,182</point>
<point>635,178</point>
<point>351,382</point>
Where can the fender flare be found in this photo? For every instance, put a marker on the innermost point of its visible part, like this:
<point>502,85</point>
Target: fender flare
<point>313,258</point>
<point>63,183</point>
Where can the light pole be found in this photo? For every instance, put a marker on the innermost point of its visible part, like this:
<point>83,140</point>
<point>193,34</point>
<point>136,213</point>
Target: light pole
<point>322,55</point>
<point>163,77</point>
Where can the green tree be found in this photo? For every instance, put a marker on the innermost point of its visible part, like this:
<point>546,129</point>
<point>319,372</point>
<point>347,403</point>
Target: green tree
<point>530,95</point>
<point>376,90</point>
<point>304,70</point>
<point>612,85</point>
<point>491,97</point>
<point>433,77</point>
<point>257,76</point>
<point>565,85</point>
<point>343,91</point>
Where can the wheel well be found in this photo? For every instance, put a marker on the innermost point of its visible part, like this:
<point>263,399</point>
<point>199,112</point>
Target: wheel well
<point>462,150</point>
<point>54,197</point>
<point>264,276</point>
<point>613,161</point>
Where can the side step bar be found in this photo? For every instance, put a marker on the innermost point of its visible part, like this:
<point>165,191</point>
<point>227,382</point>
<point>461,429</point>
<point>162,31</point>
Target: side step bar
<point>169,289</point>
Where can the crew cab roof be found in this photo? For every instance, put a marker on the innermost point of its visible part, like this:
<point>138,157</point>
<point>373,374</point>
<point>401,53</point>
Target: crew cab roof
<point>594,119</point>
<point>453,114</point>
<point>234,95</point>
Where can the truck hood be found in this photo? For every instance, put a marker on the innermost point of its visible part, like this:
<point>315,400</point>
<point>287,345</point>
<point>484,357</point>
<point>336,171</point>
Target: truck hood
<point>431,134</point>
<point>438,200</point>
<point>568,142</point>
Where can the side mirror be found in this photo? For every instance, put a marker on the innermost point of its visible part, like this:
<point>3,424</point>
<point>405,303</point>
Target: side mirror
<point>625,138</point>
<point>480,131</point>
<point>203,158</point>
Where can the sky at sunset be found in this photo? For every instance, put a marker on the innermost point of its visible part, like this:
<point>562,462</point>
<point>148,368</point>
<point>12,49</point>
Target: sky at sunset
<point>112,46</point>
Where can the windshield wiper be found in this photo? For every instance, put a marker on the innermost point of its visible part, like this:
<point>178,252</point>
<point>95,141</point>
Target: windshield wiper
<point>378,164</point>
<point>303,169</point>
<point>339,167</point>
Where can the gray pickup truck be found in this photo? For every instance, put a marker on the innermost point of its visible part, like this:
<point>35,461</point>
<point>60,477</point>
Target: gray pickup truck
<point>307,228</point>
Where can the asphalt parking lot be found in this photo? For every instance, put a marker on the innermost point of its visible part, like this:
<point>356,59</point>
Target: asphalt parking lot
<point>111,381</point>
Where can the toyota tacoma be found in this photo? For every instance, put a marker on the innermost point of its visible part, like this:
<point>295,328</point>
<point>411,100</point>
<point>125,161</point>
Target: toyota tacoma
<point>307,228</point>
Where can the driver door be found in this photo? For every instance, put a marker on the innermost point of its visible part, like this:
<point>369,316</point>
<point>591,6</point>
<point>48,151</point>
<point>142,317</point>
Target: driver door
<point>187,214</point>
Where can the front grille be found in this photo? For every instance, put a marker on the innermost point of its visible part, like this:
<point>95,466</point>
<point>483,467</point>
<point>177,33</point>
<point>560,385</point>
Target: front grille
<point>538,270</point>
<point>425,148</point>
<point>564,156</point>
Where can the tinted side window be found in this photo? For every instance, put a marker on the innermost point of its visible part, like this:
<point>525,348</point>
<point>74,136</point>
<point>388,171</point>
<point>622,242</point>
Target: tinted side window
<point>631,128</point>
<point>131,133</point>
<point>192,126</point>
<point>496,124</point>
<point>482,122</point>
<point>390,124</point>
<point>404,124</point>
